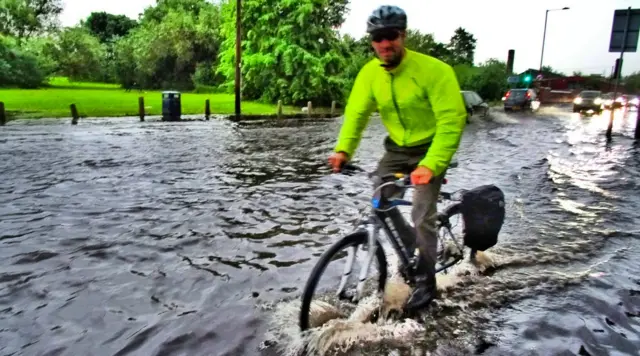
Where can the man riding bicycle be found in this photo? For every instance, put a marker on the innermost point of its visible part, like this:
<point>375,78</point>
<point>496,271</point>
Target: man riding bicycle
<point>419,101</point>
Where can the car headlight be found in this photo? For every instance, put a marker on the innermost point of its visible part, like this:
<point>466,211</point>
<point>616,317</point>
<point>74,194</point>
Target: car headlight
<point>577,101</point>
<point>598,101</point>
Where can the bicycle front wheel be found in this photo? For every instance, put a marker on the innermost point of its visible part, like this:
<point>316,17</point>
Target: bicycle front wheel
<point>352,242</point>
<point>451,247</point>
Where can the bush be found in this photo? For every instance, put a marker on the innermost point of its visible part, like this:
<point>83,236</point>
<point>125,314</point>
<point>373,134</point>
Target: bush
<point>18,67</point>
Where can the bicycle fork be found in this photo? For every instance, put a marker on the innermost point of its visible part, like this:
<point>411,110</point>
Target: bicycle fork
<point>372,236</point>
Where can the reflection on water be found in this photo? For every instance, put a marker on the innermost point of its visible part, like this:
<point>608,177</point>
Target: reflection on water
<point>128,238</point>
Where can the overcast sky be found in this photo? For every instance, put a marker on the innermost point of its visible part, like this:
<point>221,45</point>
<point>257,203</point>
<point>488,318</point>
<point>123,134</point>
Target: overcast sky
<point>577,39</point>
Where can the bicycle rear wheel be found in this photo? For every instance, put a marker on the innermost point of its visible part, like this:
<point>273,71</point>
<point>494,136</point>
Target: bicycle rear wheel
<point>353,240</point>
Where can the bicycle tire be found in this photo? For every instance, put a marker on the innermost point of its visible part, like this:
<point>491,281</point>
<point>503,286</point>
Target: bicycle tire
<point>353,239</point>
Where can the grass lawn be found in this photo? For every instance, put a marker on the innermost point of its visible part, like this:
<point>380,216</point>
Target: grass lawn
<point>100,100</point>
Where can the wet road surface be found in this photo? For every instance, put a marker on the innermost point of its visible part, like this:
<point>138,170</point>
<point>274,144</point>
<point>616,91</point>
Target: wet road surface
<point>128,238</point>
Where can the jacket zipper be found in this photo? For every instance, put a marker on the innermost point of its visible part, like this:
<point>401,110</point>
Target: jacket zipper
<point>395,103</point>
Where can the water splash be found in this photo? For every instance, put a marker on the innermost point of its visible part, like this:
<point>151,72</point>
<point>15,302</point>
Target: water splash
<point>376,322</point>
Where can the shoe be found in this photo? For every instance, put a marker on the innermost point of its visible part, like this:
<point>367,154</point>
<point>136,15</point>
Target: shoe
<point>423,294</point>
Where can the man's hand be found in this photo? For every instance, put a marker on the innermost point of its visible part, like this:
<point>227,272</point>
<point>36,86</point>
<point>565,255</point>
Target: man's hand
<point>336,160</point>
<point>421,175</point>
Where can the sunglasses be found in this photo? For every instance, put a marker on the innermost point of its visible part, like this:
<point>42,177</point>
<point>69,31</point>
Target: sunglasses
<point>385,35</point>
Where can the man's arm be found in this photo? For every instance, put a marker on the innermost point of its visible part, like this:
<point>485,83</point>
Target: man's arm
<point>451,118</point>
<point>356,114</point>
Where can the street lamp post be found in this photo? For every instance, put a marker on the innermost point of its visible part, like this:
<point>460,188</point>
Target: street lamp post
<point>544,35</point>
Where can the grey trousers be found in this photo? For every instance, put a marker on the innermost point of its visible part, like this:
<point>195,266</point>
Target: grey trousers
<point>425,197</point>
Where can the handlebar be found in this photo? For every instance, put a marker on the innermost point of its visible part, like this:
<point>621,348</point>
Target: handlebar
<point>401,179</point>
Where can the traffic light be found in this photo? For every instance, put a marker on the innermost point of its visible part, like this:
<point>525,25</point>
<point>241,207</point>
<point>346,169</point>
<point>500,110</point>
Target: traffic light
<point>527,78</point>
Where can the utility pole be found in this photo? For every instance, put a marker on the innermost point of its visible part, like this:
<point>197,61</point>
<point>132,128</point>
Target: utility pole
<point>238,54</point>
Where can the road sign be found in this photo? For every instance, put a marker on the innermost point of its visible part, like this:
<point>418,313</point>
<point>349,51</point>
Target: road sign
<point>629,19</point>
<point>513,79</point>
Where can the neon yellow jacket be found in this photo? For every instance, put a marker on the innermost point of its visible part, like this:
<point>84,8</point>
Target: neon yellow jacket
<point>419,102</point>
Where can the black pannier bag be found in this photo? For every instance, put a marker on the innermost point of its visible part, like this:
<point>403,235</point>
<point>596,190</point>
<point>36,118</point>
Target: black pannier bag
<point>483,210</point>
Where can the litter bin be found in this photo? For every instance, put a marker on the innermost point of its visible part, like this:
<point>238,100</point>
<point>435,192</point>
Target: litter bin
<point>171,106</point>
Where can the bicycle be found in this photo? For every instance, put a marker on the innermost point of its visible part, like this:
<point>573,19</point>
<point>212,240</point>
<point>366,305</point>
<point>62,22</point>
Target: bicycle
<point>387,217</point>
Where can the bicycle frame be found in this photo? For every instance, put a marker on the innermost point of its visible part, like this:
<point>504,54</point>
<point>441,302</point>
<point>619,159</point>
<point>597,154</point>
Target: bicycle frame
<point>383,220</point>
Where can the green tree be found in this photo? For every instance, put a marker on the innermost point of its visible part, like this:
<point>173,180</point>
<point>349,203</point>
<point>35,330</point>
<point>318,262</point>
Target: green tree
<point>465,73</point>
<point>462,47</point>
<point>290,51</point>
<point>358,53</point>
<point>107,27</point>
<point>489,79</point>
<point>18,68</point>
<point>79,55</point>
<point>26,18</point>
<point>632,82</point>
<point>42,48</point>
<point>176,43</point>
<point>334,12</point>
<point>425,43</point>
<point>157,13</point>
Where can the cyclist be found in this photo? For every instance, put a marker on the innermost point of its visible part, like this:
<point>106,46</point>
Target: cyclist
<point>419,101</point>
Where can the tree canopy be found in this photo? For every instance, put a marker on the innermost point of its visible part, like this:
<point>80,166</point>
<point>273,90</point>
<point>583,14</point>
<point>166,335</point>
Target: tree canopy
<point>291,49</point>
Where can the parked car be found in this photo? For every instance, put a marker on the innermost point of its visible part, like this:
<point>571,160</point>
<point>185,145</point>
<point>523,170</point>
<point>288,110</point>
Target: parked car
<point>588,100</point>
<point>474,103</point>
<point>521,99</point>
<point>628,101</point>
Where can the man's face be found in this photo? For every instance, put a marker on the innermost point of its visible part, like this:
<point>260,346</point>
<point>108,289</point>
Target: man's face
<point>388,44</point>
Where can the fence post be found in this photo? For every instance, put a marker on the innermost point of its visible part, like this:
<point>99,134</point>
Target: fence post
<point>3,116</point>
<point>141,108</point>
<point>207,109</point>
<point>333,108</point>
<point>309,107</point>
<point>74,114</point>
<point>279,109</point>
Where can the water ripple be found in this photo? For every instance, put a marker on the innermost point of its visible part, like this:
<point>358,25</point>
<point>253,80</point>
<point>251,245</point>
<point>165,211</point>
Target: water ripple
<point>127,238</point>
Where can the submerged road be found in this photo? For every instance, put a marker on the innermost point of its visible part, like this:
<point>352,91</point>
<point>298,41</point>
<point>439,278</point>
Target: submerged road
<point>127,238</point>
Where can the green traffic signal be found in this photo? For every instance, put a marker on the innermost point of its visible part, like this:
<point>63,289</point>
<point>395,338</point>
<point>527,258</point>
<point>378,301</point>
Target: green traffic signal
<point>527,78</point>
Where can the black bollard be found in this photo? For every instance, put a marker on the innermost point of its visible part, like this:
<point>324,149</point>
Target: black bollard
<point>141,108</point>
<point>3,115</point>
<point>74,114</point>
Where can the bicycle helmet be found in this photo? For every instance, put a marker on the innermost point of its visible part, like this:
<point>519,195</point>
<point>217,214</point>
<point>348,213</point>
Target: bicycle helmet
<point>387,17</point>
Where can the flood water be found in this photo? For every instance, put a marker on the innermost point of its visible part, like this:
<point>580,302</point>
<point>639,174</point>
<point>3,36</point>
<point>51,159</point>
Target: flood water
<point>196,238</point>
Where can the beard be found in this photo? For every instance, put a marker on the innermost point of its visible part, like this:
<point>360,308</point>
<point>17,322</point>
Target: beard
<point>392,59</point>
